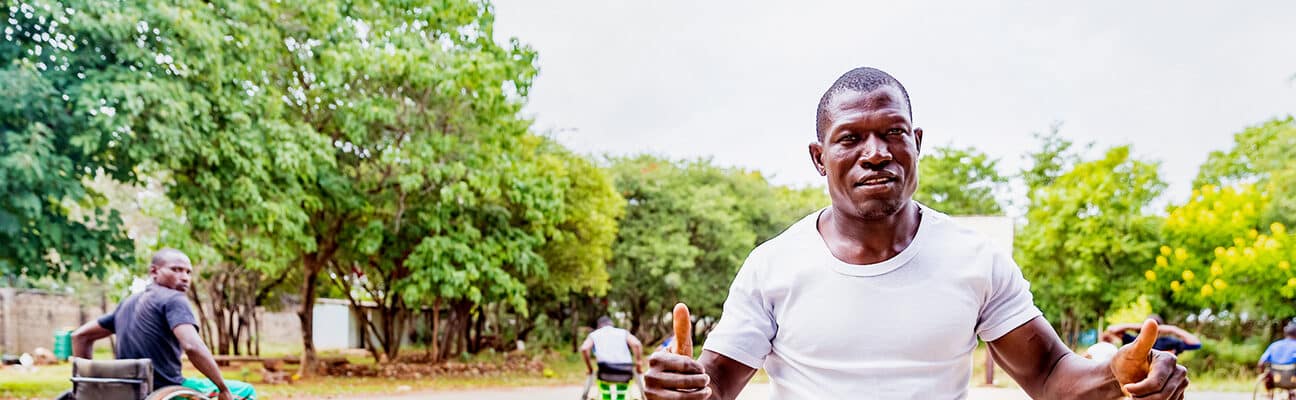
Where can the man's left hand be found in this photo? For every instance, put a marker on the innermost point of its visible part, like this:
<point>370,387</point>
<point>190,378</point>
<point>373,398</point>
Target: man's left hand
<point>1144,373</point>
<point>225,395</point>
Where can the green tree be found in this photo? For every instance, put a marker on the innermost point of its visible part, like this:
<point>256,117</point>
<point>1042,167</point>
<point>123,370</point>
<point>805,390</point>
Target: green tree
<point>1087,233</point>
<point>55,134</point>
<point>688,227</point>
<point>960,182</point>
<point>291,131</point>
<point>1220,255</point>
<point>1264,155</point>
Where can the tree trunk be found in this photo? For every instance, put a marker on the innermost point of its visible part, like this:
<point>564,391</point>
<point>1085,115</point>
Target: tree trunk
<point>306,314</point>
<point>433,354</point>
<point>576,339</point>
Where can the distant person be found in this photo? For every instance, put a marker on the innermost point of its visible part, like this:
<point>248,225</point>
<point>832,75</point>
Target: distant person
<point>157,324</point>
<point>619,355</point>
<point>1172,339</point>
<point>1278,360</point>
<point>1105,349</point>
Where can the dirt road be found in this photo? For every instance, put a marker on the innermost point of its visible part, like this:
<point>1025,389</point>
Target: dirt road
<point>753,392</point>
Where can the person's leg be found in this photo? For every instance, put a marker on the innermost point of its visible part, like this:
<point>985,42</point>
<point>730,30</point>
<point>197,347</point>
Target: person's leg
<point>240,390</point>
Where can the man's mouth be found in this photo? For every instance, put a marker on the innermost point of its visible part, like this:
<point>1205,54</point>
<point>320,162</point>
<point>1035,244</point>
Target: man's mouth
<point>881,180</point>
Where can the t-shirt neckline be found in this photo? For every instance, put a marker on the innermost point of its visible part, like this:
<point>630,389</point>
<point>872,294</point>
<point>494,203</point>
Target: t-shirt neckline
<point>881,267</point>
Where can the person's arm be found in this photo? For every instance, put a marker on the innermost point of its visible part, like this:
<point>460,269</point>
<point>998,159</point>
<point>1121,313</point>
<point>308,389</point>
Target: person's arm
<point>198,354</point>
<point>1190,341</point>
<point>84,337</point>
<point>1045,368</point>
<point>711,377</point>
<point>585,354</point>
<point>636,348</point>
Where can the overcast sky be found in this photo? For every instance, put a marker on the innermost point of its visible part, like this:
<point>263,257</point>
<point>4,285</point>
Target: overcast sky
<point>738,81</point>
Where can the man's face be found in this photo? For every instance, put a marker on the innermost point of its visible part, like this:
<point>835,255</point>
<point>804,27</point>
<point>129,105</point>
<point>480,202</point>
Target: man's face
<point>869,152</point>
<point>173,273</point>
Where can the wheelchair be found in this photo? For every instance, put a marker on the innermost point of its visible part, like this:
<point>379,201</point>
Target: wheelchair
<point>1277,382</point>
<point>120,380</point>
<point>614,382</point>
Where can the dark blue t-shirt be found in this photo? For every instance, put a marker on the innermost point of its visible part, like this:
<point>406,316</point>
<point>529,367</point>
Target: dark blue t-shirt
<point>1164,343</point>
<point>143,324</point>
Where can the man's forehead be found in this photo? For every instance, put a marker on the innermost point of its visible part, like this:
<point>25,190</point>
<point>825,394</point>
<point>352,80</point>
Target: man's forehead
<point>882,98</point>
<point>171,259</point>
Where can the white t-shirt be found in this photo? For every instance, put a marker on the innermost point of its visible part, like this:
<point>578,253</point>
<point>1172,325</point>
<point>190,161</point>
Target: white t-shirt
<point>610,345</point>
<point>903,328</point>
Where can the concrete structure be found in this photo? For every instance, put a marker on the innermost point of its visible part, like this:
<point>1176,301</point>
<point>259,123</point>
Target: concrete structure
<point>336,327</point>
<point>29,318</point>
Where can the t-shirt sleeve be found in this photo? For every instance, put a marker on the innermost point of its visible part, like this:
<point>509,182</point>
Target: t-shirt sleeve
<point>1267,357</point>
<point>1009,303</point>
<point>747,327</point>
<point>109,322</point>
<point>178,312</point>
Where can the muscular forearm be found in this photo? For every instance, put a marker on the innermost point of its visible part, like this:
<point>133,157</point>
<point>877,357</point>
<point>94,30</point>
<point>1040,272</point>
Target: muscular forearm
<point>202,360</point>
<point>1076,377</point>
<point>82,348</point>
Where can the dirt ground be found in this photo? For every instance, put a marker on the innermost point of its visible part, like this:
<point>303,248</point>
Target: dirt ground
<point>753,392</point>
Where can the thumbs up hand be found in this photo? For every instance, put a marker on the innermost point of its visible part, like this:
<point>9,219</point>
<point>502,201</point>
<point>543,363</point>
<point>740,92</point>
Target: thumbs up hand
<point>1145,373</point>
<point>675,374</point>
<point>683,331</point>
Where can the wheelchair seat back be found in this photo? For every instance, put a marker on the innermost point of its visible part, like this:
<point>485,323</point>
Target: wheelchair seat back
<point>111,379</point>
<point>1283,375</point>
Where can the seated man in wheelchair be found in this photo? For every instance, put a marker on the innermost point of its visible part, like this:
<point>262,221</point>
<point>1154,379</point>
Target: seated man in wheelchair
<point>1279,360</point>
<point>620,358</point>
<point>157,324</point>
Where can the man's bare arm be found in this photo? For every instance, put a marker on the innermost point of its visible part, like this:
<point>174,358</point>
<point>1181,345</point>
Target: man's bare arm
<point>1035,357</point>
<point>198,354</point>
<point>585,354</point>
<point>1187,337</point>
<point>636,348</point>
<point>84,337</point>
<point>1046,369</point>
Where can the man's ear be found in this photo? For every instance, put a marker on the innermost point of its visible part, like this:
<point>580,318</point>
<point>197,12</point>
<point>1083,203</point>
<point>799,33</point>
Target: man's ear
<point>816,158</point>
<point>918,134</point>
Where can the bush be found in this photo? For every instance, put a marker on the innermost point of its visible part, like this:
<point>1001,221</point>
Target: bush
<point>1223,358</point>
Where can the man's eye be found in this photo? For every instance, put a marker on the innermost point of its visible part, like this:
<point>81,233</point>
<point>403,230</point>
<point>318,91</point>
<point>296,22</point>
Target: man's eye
<point>896,131</point>
<point>849,138</point>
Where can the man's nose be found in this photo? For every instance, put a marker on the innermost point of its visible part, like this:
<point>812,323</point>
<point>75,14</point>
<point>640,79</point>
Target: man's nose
<point>874,151</point>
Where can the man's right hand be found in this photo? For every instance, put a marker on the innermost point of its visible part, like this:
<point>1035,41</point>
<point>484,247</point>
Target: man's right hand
<point>672,376</point>
<point>225,395</point>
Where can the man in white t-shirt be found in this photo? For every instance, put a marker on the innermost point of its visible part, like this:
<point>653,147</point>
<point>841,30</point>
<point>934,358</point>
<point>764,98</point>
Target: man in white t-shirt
<point>879,297</point>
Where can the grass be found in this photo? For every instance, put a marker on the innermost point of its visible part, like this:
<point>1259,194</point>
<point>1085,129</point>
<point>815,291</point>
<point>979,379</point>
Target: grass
<point>46,382</point>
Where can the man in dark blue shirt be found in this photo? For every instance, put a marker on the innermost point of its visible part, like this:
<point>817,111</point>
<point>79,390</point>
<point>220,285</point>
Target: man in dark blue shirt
<point>156,324</point>
<point>1174,339</point>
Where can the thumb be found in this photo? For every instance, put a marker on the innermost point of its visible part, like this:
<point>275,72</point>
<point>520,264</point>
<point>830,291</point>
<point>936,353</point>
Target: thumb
<point>1132,361</point>
<point>683,331</point>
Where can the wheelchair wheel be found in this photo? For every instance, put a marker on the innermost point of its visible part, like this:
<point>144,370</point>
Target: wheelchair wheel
<point>176,393</point>
<point>64,396</point>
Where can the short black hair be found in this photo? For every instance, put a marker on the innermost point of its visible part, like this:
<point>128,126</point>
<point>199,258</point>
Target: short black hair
<point>862,79</point>
<point>1290,329</point>
<point>603,321</point>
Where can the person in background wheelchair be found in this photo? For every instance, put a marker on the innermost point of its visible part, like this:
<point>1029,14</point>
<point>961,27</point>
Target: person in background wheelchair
<point>613,347</point>
<point>1278,362</point>
<point>157,324</point>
